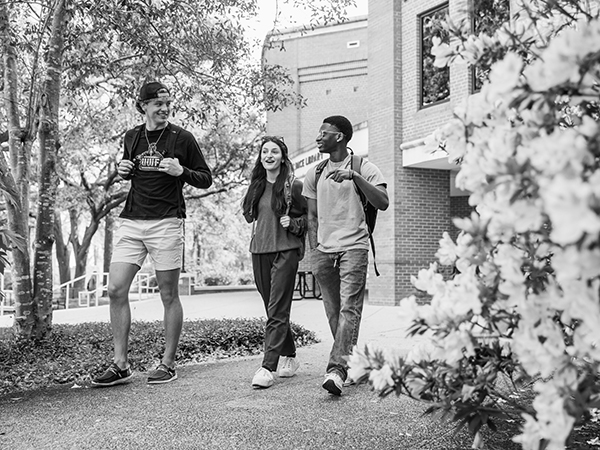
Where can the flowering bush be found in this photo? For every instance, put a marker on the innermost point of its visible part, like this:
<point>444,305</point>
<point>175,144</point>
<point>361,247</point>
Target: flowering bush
<point>523,306</point>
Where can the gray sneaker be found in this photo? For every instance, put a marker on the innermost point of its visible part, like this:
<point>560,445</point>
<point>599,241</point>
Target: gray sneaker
<point>161,375</point>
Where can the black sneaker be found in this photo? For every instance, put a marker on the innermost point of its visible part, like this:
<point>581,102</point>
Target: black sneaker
<point>112,376</point>
<point>162,374</point>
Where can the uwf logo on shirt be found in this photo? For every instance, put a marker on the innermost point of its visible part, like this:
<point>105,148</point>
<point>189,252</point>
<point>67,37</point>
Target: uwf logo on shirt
<point>149,162</point>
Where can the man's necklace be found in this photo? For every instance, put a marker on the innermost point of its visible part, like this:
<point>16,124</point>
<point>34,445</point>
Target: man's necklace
<point>152,146</point>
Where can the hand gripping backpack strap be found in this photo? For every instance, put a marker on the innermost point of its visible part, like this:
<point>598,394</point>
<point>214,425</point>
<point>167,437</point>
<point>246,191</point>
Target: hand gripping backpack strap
<point>357,160</point>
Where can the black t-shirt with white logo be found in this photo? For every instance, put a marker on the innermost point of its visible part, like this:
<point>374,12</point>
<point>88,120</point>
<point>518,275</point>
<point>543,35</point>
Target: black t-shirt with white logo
<point>158,195</point>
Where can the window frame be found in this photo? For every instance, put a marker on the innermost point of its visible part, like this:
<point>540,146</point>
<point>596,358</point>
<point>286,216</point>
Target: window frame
<point>420,40</point>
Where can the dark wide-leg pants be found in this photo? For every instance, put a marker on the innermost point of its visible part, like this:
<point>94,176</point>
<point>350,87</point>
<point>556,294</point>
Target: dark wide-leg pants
<point>275,276</point>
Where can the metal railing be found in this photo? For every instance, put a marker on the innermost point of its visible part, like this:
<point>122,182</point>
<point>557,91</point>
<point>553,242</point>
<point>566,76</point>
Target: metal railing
<point>78,292</point>
<point>68,291</point>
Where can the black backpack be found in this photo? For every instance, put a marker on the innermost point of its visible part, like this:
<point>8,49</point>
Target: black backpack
<point>370,210</point>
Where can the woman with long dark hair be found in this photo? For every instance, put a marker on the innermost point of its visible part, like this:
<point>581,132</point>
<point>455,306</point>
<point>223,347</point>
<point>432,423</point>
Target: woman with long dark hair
<point>277,210</point>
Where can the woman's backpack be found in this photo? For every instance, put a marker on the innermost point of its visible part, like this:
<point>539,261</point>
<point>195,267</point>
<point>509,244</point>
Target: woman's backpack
<point>287,192</point>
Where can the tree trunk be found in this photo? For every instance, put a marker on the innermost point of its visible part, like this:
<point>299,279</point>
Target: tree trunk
<point>83,251</point>
<point>17,177</point>
<point>63,254</point>
<point>48,181</point>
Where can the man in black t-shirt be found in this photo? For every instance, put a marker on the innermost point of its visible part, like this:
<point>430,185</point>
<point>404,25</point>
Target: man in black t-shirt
<point>158,158</point>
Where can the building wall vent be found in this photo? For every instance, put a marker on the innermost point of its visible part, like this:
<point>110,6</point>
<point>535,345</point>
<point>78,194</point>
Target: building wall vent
<point>353,44</point>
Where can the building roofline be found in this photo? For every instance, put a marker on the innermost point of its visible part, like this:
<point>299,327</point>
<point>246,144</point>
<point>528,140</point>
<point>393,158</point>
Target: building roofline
<point>312,30</point>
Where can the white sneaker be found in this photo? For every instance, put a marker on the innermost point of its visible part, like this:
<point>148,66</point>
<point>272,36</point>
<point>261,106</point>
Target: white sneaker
<point>263,378</point>
<point>288,365</point>
<point>333,383</point>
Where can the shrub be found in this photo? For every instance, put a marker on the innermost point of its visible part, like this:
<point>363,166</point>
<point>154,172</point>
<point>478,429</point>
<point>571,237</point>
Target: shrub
<point>246,278</point>
<point>73,353</point>
<point>523,303</point>
<point>217,280</point>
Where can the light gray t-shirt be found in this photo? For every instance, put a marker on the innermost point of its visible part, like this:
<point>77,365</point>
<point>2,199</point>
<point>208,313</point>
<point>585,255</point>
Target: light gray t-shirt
<point>341,219</point>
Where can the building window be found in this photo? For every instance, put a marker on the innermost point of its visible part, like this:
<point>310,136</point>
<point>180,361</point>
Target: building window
<point>353,44</point>
<point>327,91</point>
<point>435,81</point>
<point>488,16</point>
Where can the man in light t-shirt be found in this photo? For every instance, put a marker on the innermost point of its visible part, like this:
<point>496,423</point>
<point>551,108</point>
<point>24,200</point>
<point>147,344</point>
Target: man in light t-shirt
<point>339,239</point>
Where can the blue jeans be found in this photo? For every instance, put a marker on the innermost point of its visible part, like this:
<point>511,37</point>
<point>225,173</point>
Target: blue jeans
<point>342,278</point>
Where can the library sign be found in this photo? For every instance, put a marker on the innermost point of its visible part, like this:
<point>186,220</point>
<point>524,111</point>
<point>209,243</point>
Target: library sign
<point>303,164</point>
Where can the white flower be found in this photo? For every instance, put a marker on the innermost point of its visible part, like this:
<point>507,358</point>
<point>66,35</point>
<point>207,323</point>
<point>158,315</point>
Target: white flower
<point>561,61</point>
<point>442,52</point>
<point>572,263</point>
<point>446,254</point>
<point>531,434</point>
<point>467,392</point>
<point>554,420</point>
<point>421,351</point>
<point>428,280</point>
<point>457,345</point>
<point>538,341</point>
<point>408,310</point>
<point>560,152</point>
<point>358,364</point>
<point>382,379</point>
<point>567,202</point>
<point>504,76</point>
<point>464,296</point>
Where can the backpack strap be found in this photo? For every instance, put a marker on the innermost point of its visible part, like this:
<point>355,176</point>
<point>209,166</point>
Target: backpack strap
<point>172,136</point>
<point>174,131</point>
<point>136,139</point>
<point>287,193</point>
<point>356,161</point>
<point>319,170</point>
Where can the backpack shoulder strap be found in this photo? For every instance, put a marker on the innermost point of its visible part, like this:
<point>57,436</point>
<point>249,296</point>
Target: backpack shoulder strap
<point>137,132</point>
<point>356,164</point>
<point>319,170</point>
<point>174,131</point>
<point>287,193</point>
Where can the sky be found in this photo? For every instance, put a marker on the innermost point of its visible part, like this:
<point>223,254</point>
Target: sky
<point>288,17</point>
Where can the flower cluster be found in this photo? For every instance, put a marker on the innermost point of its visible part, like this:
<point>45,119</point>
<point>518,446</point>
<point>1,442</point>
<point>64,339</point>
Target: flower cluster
<point>524,300</point>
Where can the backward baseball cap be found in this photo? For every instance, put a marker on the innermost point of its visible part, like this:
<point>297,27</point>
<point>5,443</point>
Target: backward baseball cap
<point>150,91</point>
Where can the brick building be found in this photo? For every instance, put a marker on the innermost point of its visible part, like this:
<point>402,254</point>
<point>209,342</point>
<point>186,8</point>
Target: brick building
<point>370,69</point>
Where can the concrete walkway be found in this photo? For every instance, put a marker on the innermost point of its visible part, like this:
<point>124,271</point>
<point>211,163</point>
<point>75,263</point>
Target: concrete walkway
<point>212,405</point>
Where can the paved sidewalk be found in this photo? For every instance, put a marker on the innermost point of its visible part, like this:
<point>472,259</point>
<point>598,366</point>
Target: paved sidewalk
<point>212,405</point>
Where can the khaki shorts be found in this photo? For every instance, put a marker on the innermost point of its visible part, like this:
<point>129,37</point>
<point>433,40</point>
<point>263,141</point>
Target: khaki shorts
<point>162,239</point>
